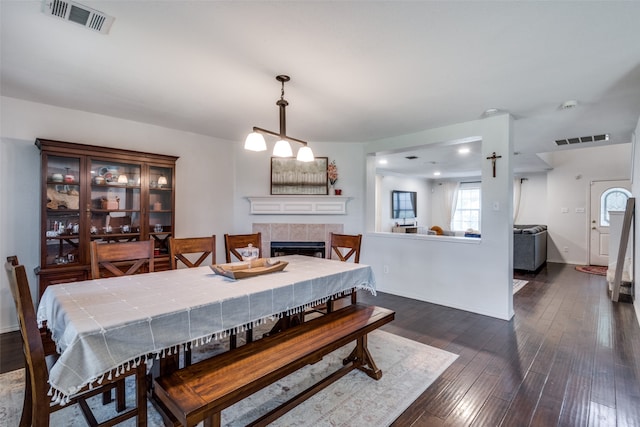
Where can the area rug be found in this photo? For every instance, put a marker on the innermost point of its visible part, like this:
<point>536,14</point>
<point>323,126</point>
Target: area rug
<point>593,269</point>
<point>355,400</point>
<point>518,284</point>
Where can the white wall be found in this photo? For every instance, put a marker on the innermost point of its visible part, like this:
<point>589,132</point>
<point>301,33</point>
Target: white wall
<point>388,183</point>
<point>204,177</point>
<point>471,274</point>
<point>568,186</point>
<point>635,190</point>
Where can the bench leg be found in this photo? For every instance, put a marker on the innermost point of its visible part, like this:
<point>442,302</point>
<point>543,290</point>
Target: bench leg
<point>213,420</point>
<point>362,359</point>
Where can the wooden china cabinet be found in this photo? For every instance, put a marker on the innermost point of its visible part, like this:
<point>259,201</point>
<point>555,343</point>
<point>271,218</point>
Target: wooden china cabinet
<point>104,194</point>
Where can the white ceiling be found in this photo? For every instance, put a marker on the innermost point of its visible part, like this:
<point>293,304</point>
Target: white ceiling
<point>360,70</point>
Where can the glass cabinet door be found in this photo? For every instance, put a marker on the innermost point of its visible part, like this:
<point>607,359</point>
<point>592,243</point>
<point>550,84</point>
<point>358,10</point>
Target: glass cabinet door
<point>160,207</point>
<point>62,211</point>
<point>115,201</point>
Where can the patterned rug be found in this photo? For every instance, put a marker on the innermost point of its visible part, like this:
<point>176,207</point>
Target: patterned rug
<point>355,400</point>
<point>592,269</point>
<point>518,284</point>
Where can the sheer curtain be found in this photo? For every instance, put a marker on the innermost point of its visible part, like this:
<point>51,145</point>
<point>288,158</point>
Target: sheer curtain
<point>450,196</point>
<point>517,192</point>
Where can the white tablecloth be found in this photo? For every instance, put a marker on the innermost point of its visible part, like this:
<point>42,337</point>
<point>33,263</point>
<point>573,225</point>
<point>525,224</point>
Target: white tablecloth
<point>105,324</point>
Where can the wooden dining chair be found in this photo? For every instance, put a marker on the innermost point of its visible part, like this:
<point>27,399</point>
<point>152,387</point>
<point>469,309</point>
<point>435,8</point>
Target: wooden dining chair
<point>346,248</point>
<point>231,244</point>
<point>204,246</point>
<point>178,249</point>
<point>110,255</point>
<point>38,406</point>
<point>234,241</point>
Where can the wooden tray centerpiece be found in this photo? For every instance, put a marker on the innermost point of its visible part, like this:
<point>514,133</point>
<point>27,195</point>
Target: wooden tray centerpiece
<point>244,269</point>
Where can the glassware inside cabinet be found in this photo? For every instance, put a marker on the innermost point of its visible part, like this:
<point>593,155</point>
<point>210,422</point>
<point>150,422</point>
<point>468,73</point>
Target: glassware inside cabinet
<point>160,207</point>
<point>63,170</point>
<point>62,223</point>
<point>115,201</point>
<point>115,174</point>
<point>62,237</point>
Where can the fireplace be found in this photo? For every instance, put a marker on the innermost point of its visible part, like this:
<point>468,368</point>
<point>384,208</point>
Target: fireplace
<point>316,249</point>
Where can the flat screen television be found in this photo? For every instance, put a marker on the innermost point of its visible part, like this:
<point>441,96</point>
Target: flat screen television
<point>403,204</point>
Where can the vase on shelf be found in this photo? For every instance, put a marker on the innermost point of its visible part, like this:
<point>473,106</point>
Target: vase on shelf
<point>332,190</point>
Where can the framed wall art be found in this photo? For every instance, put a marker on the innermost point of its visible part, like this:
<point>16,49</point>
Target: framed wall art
<point>290,176</point>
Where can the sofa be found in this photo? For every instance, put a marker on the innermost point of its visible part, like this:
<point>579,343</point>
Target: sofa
<point>529,246</point>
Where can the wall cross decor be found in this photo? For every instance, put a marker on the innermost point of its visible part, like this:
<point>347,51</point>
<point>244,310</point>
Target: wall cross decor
<point>493,159</point>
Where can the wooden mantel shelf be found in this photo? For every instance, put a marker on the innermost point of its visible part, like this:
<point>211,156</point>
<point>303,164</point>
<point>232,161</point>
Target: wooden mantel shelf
<point>299,205</point>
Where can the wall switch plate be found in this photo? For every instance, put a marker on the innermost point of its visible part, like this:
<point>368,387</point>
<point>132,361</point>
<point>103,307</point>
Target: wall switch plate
<point>579,210</point>
<point>564,210</point>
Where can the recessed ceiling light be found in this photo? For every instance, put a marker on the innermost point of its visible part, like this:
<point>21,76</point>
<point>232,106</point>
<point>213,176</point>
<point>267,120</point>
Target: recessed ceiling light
<point>464,150</point>
<point>436,174</point>
<point>490,111</point>
<point>382,162</point>
<point>567,105</point>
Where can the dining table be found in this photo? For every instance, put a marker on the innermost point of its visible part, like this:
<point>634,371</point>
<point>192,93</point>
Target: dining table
<point>108,325</point>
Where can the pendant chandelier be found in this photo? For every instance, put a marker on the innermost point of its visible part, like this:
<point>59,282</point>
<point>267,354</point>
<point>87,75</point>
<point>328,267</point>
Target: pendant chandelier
<point>255,141</point>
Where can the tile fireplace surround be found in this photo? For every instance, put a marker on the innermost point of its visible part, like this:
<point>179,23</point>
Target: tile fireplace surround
<point>279,232</point>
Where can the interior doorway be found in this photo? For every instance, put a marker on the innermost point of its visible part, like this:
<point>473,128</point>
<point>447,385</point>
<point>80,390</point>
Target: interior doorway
<point>606,196</point>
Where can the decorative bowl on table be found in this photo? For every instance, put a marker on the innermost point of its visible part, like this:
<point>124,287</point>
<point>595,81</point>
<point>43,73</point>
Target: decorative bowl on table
<point>244,269</point>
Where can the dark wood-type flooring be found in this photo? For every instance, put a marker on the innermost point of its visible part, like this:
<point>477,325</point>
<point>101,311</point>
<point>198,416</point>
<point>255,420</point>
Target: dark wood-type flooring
<point>569,357</point>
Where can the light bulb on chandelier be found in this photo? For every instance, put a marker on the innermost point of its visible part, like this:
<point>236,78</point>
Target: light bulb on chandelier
<point>282,149</point>
<point>255,141</point>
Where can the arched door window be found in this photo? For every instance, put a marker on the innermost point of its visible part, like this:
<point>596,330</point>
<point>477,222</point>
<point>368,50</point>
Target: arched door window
<point>614,199</point>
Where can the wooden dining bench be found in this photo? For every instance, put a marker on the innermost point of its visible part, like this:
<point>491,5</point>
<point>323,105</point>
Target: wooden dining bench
<point>201,391</point>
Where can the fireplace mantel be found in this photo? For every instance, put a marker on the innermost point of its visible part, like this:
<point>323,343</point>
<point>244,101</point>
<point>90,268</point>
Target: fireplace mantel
<point>299,205</point>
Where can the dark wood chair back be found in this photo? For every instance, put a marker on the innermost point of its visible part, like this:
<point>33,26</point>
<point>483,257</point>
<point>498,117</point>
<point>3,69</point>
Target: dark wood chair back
<point>37,404</point>
<point>204,246</point>
<point>106,255</point>
<point>345,246</point>
<point>234,241</point>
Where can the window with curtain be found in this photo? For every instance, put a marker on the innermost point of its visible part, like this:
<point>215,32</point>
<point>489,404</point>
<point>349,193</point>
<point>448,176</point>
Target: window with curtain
<point>467,212</point>
<point>403,204</point>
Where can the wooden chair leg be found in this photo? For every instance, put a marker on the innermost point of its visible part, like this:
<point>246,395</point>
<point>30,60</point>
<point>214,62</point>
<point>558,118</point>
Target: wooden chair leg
<point>121,399</point>
<point>27,407</point>
<point>233,341</point>
<point>330,305</point>
<point>187,355</point>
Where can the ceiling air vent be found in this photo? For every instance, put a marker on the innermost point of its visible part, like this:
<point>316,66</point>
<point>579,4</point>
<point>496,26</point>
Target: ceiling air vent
<point>78,13</point>
<point>590,138</point>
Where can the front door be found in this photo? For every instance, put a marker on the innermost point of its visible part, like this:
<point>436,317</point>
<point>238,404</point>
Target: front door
<point>605,196</point>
